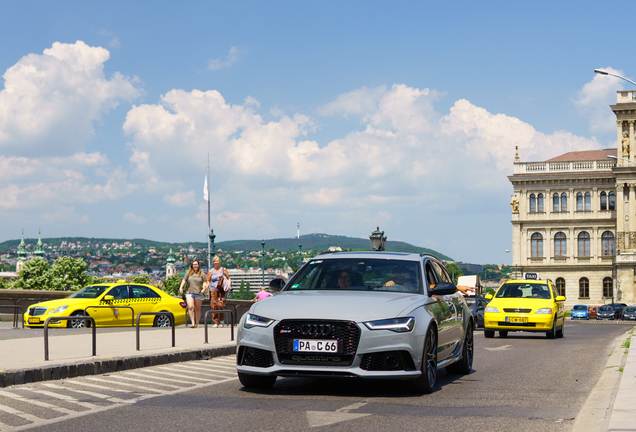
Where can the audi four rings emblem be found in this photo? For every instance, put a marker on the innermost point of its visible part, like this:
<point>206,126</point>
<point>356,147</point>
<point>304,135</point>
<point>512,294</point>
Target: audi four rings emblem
<point>316,329</point>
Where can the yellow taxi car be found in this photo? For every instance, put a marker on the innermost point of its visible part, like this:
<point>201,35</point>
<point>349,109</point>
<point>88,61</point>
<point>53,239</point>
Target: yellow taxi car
<point>525,305</point>
<point>120,303</point>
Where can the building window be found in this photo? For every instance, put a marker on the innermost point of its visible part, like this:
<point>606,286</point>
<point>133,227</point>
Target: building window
<point>608,288</point>
<point>533,203</point>
<point>555,202</point>
<point>540,203</point>
<point>584,244</point>
<point>579,201</point>
<point>536,242</point>
<point>612,200</point>
<point>564,202</point>
<point>603,201</point>
<point>607,243</point>
<point>584,288</point>
<point>560,286</point>
<point>588,201</point>
<point>560,245</point>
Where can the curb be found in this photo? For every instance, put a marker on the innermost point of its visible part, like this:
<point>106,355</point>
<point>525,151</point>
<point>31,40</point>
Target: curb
<point>594,415</point>
<point>97,367</point>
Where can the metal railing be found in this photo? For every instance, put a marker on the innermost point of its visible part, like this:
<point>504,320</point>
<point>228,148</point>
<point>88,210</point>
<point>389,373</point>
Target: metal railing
<point>132,324</point>
<point>66,318</point>
<point>15,307</point>
<point>170,314</point>
<point>205,322</point>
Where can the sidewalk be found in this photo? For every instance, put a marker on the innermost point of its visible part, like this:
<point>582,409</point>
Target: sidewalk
<point>611,406</point>
<point>22,359</point>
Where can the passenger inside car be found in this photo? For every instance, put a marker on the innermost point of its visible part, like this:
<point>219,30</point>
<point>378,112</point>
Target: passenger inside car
<point>344,280</point>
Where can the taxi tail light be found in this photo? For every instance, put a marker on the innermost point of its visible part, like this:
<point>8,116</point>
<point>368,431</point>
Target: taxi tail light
<point>182,304</point>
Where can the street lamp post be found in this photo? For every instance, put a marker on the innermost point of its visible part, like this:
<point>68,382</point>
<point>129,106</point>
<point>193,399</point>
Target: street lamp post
<point>263,246</point>
<point>615,157</point>
<point>507,251</point>
<point>602,72</point>
<point>300,255</point>
<point>378,240</point>
<point>212,237</point>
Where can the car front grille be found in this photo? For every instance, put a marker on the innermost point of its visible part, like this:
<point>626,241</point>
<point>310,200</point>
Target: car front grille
<point>37,311</point>
<point>511,324</point>
<point>347,333</point>
<point>517,310</point>
<point>248,356</point>
<point>387,361</point>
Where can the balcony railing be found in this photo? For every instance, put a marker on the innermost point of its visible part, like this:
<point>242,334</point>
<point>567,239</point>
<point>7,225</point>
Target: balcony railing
<point>544,167</point>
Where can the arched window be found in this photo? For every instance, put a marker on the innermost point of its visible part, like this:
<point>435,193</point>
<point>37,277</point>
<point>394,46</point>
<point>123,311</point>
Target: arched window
<point>588,201</point>
<point>579,201</point>
<point>537,245</point>
<point>584,244</point>
<point>533,203</point>
<point>560,245</point>
<point>555,202</point>
<point>540,202</point>
<point>560,286</point>
<point>584,288</point>
<point>608,288</point>
<point>564,202</point>
<point>607,243</point>
<point>603,201</point>
<point>612,200</point>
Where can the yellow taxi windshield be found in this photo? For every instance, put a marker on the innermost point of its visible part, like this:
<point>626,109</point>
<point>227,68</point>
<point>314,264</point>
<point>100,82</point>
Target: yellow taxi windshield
<point>524,290</point>
<point>90,292</point>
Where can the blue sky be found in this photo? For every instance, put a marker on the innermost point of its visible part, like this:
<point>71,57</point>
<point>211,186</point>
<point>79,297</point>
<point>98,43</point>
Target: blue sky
<point>339,115</point>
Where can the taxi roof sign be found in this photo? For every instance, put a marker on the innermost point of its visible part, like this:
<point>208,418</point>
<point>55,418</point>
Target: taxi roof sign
<point>531,276</point>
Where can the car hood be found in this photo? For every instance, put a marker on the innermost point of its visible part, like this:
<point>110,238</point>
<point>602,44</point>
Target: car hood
<point>65,301</point>
<point>521,303</point>
<point>339,305</point>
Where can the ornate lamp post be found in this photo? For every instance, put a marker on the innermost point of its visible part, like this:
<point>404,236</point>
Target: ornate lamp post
<point>212,237</point>
<point>300,255</point>
<point>263,246</point>
<point>378,240</point>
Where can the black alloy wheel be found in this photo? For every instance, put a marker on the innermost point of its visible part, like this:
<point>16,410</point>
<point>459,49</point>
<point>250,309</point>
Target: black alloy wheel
<point>465,365</point>
<point>552,333</point>
<point>425,383</point>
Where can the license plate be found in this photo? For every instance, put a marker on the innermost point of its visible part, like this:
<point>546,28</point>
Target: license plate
<point>516,320</point>
<point>313,345</point>
<point>34,320</point>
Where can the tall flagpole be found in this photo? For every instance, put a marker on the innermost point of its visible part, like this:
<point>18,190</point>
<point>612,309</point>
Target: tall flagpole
<point>209,245</point>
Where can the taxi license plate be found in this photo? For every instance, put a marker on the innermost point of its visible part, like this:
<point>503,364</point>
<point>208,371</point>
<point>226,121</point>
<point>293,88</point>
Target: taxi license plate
<point>314,345</point>
<point>34,320</point>
<point>516,320</point>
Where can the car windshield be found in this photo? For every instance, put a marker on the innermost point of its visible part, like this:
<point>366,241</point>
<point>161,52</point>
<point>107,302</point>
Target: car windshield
<point>579,308</point>
<point>524,290</point>
<point>359,274</point>
<point>605,309</point>
<point>630,309</point>
<point>90,292</point>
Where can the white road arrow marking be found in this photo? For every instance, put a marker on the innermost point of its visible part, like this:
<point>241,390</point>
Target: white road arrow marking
<point>324,418</point>
<point>501,348</point>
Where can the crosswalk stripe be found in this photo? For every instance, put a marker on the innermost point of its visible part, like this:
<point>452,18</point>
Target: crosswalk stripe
<point>21,414</point>
<point>111,381</point>
<point>159,378</point>
<point>65,398</point>
<point>37,402</point>
<point>84,383</point>
<point>88,393</point>
<point>186,379</point>
<point>125,377</point>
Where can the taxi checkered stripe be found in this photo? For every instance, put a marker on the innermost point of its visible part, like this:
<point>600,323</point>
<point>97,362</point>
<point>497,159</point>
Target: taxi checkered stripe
<point>129,300</point>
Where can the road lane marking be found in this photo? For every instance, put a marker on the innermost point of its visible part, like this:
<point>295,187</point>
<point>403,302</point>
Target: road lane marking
<point>325,418</point>
<point>20,414</point>
<point>37,402</point>
<point>65,398</point>
<point>88,393</point>
<point>500,348</point>
<point>119,383</point>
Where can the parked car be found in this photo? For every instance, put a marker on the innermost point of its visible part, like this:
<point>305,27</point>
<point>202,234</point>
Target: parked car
<point>374,315</point>
<point>618,310</point>
<point>605,312</point>
<point>592,311</point>
<point>477,305</point>
<point>580,312</point>
<point>525,305</point>
<point>116,301</point>
<point>629,313</point>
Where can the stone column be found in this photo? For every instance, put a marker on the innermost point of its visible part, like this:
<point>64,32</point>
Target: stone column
<point>596,205</point>
<point>631,140</point>
<point>619,128</point>
<point>620,217</point>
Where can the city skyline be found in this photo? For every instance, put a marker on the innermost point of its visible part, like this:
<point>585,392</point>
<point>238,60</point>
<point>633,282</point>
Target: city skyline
<point>338,118</point>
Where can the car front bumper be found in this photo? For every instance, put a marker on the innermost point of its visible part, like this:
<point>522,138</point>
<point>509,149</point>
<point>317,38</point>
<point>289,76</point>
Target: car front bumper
<point>580,317</point>
<point>533,322</point>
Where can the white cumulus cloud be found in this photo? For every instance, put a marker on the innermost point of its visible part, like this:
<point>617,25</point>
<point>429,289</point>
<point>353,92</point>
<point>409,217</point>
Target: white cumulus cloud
<point>593,99</point>
<point>217,64</point>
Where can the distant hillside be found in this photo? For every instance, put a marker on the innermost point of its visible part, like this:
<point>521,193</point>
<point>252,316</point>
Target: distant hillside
<point>309,242</point>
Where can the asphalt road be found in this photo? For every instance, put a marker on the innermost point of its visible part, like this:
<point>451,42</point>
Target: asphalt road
<point>522,382</point>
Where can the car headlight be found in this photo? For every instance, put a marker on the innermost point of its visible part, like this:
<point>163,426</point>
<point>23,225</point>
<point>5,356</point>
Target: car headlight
<point>59,310</point>
<point>544,311</point>
<point>398,325</point>
<point>491,309</point>
<point>257,321</point>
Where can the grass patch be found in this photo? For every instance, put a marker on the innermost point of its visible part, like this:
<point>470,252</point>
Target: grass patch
<point>620,369</point>
<point>627,343</point>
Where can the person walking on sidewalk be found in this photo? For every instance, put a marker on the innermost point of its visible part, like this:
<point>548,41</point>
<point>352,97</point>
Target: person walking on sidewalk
<point>218,290</point>
<point>197,284</point>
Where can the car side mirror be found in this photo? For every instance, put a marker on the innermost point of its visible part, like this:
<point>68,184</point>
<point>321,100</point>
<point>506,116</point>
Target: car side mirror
<point>444,288</point>
<point>276,284</point>
<point>488,296</point>
<point>560,298</point>
<point>108,298</point>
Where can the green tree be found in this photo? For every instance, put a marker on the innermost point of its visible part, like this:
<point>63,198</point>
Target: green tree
<point>68,273</point>
<point>34,275</point>
<point>454,271</point>
<point>140,279</point>
<point>92,280</point>
<point>244,292</point>
<point>171,285</point>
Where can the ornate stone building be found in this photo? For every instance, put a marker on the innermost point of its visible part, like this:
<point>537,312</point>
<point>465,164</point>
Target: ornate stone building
<point>574,217</point>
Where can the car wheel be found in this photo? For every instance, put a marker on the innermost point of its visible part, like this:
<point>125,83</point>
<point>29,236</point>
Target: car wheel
<point>77,323</point>
<point>559,332</point>
<point>503,333</point>
<point>489,333</point>
<point>425,383</point>
<point>552,333</point>
<point>256,381</point>
<point>465,365</point>
<point>162,321</point>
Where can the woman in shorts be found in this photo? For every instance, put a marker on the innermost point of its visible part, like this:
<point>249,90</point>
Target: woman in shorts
<point>197,284</point>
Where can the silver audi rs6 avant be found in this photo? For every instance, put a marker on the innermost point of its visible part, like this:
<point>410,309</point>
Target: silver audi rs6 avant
<point>372,315</point>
